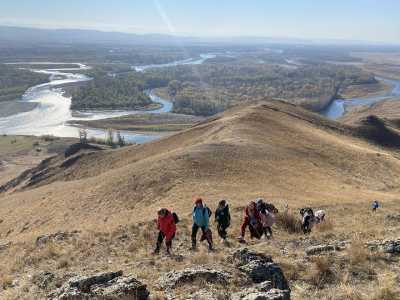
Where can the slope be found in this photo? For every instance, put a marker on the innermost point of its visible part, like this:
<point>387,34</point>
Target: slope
<point>272,149</point>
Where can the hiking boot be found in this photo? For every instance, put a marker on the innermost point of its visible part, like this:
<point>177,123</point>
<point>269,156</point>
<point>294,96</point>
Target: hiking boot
<point>193,248</point>
<point>169,246</point>
<point>156,251</point>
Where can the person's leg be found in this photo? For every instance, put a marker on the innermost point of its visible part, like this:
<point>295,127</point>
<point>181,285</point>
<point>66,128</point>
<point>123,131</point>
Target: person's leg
<point>169,244</point>
<point>224,233</point>
<point>160,239</point>
<point>208,236</point>
<point>219,229</point>
<point>269,232</point>
<point>195,228</point>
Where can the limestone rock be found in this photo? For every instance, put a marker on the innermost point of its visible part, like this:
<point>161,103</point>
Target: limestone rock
<point>260,268</point>
<point>392,217</point>
<point>337,246</point>
<point>43,279</point>
<point>103,286</point>
<point>58,236</point>
<point>189,275</point>
<point>386,246</point>
<point>254,294</point>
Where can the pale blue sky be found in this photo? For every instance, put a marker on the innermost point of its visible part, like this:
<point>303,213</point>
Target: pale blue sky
<point>373,20</point>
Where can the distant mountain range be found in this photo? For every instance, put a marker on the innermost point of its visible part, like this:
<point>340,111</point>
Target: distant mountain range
<point>26,35</point>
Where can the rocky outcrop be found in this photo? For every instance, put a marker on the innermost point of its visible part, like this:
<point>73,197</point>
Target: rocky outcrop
<point>43,279</point>
<point>385,246</point>
<point>189,275</point>
<point>58,236</point>
<point>261,291</point>
<point>273,294</point>
<point>392,217</point>
<point>5,246</point>
<point>260,268</point>
<point>112,285</point>
<point>318,249</point>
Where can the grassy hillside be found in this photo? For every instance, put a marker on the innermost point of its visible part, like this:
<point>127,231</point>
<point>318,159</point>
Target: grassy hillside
<point>275,150</point>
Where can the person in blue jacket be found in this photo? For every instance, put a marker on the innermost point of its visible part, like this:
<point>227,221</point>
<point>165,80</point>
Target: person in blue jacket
<point>375,205</point>
<point>201,219</point>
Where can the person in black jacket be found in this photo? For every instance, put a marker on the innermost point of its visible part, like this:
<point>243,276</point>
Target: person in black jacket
<point>223,218</point>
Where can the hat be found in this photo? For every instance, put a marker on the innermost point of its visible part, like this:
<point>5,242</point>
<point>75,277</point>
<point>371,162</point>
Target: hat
<point>259,200</point>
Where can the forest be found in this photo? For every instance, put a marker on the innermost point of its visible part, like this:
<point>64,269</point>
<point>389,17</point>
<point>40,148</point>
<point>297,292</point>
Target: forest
<point>14,82</point>
<point>108,92</point>
<point>211,88</point>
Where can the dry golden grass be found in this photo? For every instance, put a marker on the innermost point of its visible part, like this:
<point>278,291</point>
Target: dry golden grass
<point>289,222</point>
<point>274,150</point>
<point>322,272</point>
<point>326,226</point>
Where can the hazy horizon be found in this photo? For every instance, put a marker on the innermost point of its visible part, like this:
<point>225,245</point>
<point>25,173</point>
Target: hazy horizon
<point>354,20</point>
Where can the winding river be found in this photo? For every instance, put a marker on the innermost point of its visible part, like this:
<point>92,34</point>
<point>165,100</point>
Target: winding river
<point>52,114</point>
<point>337,108</point>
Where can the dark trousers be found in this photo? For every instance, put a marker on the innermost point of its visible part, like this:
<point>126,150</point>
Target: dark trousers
<point>268,231</point>
<point>222,230</point>
<point>256,231</point>
<point>160,240</point>
<point>206,235</point>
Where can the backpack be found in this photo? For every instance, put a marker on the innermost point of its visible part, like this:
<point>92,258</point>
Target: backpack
<point>208,210</point>
<point>176,218</point>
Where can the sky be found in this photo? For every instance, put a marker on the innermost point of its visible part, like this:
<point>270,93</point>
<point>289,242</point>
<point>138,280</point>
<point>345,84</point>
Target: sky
<point>361,20</point>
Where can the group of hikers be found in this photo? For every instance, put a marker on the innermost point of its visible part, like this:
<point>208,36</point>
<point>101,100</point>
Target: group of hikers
<point>259,216</point>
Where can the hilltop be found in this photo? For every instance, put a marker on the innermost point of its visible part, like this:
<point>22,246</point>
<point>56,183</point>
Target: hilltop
<point>270,149</point>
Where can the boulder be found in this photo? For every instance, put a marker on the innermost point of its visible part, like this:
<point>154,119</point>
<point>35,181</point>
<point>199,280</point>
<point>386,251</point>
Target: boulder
<point>103,286</point>
<point>189,275</point>
<point>58,236</point>
<point>244,256</point>
<point>392,217</point>
<point>43,279</point>
<point>314,250</point>
<point>392,247</point>
<point>260,268</point>
<point>5,246</point>
<point>253,294</point>
<point>385,246</point>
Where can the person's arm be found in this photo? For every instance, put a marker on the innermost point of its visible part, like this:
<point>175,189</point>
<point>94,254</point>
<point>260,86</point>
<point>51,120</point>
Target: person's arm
<point>244,225</point>
<point>206,218</point>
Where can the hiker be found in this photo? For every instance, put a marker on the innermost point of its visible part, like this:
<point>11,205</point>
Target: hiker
<point>166,223</point>
<point>223,218</point>
<point>308,219</point>
<point>252,219</point>
<point>375,205</point>
<point>201,217</point>
<point>267,212</point>
<point>319,216</point>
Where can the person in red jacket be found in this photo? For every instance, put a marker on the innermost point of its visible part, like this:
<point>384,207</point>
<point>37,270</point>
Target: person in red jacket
<point>252,219</point>
<point>166,225</point>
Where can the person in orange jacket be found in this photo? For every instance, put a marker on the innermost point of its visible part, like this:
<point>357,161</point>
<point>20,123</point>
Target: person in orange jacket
<point>166,223</point>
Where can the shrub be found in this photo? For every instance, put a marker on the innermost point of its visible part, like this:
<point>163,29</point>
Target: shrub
<point>322,271</point>
<point>288,222</point>
<point>324,226</point>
